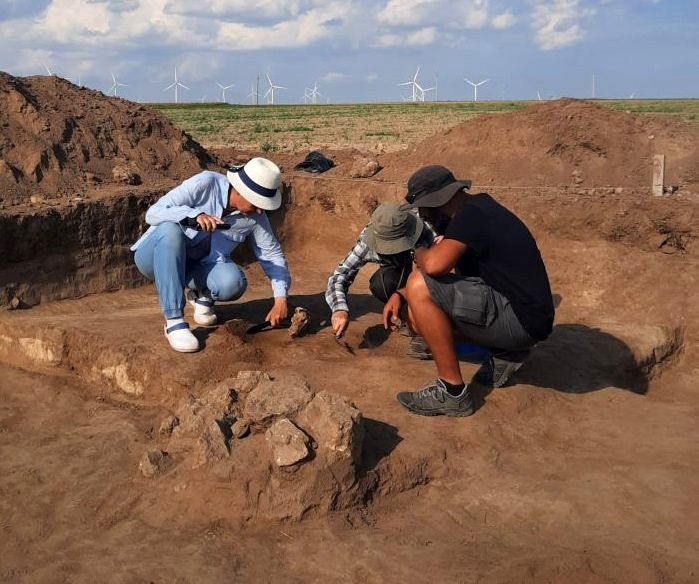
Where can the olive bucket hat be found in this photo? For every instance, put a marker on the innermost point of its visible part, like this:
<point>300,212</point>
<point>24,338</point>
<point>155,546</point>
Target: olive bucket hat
<point>433,186</point>
<point>393,229</point>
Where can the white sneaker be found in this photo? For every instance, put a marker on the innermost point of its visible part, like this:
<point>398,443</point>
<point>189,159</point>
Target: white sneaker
<point>181,338</point>
<point>203,309</point>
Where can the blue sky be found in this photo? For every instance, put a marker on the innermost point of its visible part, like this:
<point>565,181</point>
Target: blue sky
<point>359,50</point>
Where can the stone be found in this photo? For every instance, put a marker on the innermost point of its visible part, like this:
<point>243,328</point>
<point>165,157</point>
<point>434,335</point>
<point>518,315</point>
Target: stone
<point>618,191</point>
<point>221,399</point>
<point>299,322</point>
<point>168,425</point>
<point>154,463</point>
<point>364,168</point>
<point>192,419</point>
<point>16,304</point>
<point>281,396</point>
<point>289,444</point>
<point>240,429</point>
<point>211,445</point>
<point>247,380</point>
<point>335,424</point>
<point>35,200</point>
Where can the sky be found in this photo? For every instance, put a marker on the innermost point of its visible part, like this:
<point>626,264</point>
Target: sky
<point>359,50</point>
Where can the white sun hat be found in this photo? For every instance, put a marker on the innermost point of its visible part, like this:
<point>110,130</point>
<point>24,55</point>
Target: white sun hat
<point>258,183</point>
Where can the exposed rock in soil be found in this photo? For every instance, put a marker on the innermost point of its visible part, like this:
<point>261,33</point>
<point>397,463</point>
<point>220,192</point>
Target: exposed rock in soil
<point>364,168</point>
<point>154,463</point>
<point>283,395</point>
<point>211,445</point>
<point>168,425</point>
<point>289,444</point>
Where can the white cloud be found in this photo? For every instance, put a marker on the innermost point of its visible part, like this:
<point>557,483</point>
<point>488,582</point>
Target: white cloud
<point>558,23</point>
<point>504,20</point>
<point>440,13</point>
<point>425,36</point>
<point>313,25</point>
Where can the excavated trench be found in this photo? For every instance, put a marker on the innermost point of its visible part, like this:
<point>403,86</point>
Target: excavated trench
<point>109,341</point>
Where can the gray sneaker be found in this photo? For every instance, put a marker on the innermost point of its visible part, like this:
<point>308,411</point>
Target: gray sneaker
<point>435,400</point>
<point>418,349</point>
<point>496,370</point>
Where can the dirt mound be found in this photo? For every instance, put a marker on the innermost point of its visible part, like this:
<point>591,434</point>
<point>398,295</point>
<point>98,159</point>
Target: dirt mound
<point>61,140</point>
<point>566,142</point>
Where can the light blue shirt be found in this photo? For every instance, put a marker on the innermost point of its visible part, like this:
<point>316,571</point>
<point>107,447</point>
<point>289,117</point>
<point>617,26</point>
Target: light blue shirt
<point>207,192</point>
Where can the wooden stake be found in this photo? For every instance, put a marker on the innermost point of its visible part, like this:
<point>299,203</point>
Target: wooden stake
<point>658,174</point>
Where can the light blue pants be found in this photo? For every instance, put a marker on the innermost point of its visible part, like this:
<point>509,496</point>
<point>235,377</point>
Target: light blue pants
<point>162,257</point>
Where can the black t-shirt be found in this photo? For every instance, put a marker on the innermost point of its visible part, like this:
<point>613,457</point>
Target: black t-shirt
<point>502,251</point>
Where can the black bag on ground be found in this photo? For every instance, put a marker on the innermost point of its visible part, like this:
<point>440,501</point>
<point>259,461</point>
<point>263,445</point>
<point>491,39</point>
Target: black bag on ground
<point>316,162</point>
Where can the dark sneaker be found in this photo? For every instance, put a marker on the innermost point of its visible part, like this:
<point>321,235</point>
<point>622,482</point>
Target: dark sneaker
<point>496,370</point>
<point>435,400</point>
<point>418,349</point>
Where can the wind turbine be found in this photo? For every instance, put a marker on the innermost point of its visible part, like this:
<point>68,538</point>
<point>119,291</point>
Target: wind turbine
<point>475,87</point>
<point>271,89</point>
<point>252,95</point>
<point>593,86</point>
<point>51,73</point>
<point>115,86</point>
<point>223,91</point>
<point>415,87</point>
<point>538,95</point>
<point>176,84</point>
<point>315,94</point>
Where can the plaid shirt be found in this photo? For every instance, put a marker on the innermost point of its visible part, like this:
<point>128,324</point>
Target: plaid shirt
<point>360,255</point>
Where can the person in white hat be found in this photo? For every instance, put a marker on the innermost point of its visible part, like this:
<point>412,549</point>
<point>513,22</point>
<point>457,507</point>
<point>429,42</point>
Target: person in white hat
<point>193,230</point>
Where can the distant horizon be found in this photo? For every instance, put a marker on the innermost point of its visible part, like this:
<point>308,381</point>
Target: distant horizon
<point>360,51</point>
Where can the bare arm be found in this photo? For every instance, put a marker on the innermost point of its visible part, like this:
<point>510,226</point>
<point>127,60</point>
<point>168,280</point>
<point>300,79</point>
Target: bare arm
<point>441,258</point>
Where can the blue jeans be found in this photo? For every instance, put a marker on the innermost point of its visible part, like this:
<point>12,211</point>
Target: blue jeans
<point>162,257</point>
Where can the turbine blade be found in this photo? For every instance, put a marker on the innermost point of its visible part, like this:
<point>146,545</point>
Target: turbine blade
<point>183,85</point>
<point>469,81</point>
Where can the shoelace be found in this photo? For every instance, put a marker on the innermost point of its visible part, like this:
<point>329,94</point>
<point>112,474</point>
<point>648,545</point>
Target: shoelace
<point>429,391</point>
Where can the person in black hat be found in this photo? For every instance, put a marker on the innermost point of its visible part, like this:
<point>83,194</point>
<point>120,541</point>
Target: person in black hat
<point>484,283</point>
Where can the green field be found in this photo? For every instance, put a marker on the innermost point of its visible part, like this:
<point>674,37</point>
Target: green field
<point>381,126</point>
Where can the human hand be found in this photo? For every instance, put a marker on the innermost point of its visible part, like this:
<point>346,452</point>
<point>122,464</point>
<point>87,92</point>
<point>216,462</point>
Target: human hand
<point>437,239</point>
<point>279,312</point>
<point>340,322</point>
<point>391,312</point>
<point>208,222</point>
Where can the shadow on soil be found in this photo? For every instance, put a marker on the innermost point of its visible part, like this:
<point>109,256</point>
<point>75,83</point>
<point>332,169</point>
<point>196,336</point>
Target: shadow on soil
<point>578,359</point>
<point>255,311</point>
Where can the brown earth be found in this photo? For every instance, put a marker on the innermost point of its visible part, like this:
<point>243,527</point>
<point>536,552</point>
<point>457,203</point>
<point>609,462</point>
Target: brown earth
<point>545,144</point>
<point>580,471</point>
<point>60,141</point>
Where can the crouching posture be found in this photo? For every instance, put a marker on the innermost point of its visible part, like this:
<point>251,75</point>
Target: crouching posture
<point>484,283</point>
<point>194,229</point>
<point>388,240</point>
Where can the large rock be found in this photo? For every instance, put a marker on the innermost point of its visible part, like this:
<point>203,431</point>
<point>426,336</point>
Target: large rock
<point>289,444</point>
<point>245,381</point>
<point>211,446</point>
<point>282,396</point>
<point>335,423</point>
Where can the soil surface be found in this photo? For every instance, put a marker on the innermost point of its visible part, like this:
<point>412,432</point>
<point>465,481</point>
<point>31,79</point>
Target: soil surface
<point>562,143</point>
<point>582,470</point>
<point>60,141</point>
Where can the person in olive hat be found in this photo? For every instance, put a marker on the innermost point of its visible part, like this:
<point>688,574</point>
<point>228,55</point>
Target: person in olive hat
<point>484,283</point>
<point>388,240</point>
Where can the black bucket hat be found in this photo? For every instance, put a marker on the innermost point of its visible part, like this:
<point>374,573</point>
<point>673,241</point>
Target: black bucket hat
<point>433,186</point>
